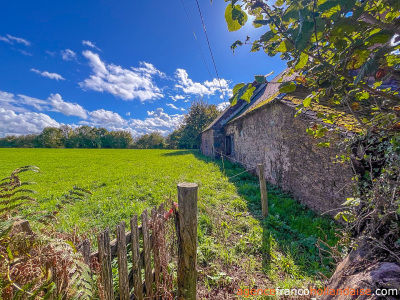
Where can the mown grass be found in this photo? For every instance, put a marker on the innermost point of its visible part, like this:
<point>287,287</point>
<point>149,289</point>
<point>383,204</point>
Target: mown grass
<point>237,249</point>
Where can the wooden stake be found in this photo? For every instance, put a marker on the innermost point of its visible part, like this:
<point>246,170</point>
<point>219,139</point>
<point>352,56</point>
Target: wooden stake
<point>263,190</point>
<point>122,262</point>
<point>105,262</point>
<point>148,275</point>
<point>136,263</point>
<point>187,241</point>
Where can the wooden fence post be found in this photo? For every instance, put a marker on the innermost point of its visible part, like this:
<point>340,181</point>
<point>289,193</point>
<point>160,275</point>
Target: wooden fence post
<point>105,262</point>
<point>122,262</point>
<point>263,190</point>
<point>148,275</point>
<point>136,263</point>
<point>187,241</point>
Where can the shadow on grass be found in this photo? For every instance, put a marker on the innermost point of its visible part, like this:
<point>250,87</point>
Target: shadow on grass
<point>180,152</point>
<point>290,227</point>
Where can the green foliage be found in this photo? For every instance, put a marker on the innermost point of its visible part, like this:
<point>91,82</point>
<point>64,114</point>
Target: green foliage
<point>242,91</point>
<point>154,140</point>
<point>346,53</point>
<point>372,214</point>
<point>336,47</point>
<point>235,17</point>
<point>55,269</point>
<point>200,115</point>
<point>66,137</point>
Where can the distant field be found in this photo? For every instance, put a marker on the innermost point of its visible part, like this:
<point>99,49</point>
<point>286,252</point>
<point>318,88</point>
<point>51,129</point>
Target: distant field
<point>235,246</point>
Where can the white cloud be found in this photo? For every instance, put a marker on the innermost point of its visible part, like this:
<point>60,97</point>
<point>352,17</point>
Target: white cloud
<point>26,53</point>
<point>148,69</point>
<point>36,103</point>
<point>20,103</point>
<point>157,120</point>
<point>68,54</point>
<point>90,44</point>
<point>174,107</point>
<point>11,39</point>
<point>51,53</point>
<point>106,117</point>
<point>66,108</point>
<point>128,113</point>
<point>223,105</point>
<point>177,97</point>
<point>207,88</point>
<point>48,74</point>
<point>18,40</point>
<point>8,101</point>
<point>16,109</point>
<point>12,123</point>
<point>127,84</point>
<point>4,39</point>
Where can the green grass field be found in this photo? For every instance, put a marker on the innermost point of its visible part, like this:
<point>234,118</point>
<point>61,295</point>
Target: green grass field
<point>236,247</point>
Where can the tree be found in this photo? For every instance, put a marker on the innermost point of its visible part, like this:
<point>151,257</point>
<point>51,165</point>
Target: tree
<point>336,47</point>
<point>154,140</point>
<point>199,116</point>
<point>51,137</point>
<point>120,139</point>
<point>346,53</point>
<point>174,138</point>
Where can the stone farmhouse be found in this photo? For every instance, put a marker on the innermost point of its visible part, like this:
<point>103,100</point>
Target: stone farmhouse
<point>266,130</point>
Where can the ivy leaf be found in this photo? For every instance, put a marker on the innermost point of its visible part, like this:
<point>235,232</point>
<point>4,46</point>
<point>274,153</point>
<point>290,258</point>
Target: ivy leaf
<point>306,31</point>
<point>235,44</point>
<point>287,87</point>
<point>284,46</point>
<point>261,22</point>
<point>246,92</point>
<point>380,37</point>
<point>324,144</point>
<point>237,87</point>
<point>307,102</point>
<point>266,37</point>
<point>233,100</point>
<point>302,61</point>
<point>235,17</point>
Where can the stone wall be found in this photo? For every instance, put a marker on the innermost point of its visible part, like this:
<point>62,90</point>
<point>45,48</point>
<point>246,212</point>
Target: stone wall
<point>207,141</point>
<point>212,142</point>
<point>273,136</point>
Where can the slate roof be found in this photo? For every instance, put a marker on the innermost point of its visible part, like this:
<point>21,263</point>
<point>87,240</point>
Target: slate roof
<point>267,94</point>
<point>232,111</point>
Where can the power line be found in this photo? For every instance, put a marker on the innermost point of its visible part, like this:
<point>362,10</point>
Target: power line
<point>195,37</point>
<point>209,47</point>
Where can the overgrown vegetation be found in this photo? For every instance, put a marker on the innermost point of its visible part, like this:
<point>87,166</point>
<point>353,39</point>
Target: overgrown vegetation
<point>346,53</point>
<point>199,116</point>
<point>236,249</point>
<point>35,265</point>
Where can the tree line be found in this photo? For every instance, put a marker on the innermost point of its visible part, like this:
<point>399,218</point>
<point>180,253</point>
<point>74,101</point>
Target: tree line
<point>185,136</point>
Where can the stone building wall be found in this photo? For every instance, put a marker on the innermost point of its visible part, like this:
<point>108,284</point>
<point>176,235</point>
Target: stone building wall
<point>212,142</point>
<point>207,141</point>
<point>273,136</point>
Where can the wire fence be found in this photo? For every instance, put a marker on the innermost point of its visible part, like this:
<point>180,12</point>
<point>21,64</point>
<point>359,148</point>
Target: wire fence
<point>247,167</point>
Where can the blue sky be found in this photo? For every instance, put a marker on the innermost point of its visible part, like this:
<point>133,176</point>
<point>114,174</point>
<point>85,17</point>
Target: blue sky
<point>120,64</point>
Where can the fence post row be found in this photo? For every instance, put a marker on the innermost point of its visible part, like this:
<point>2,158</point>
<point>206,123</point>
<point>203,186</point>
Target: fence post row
<point>186,226</point>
